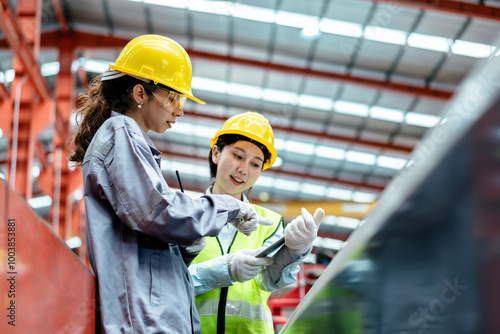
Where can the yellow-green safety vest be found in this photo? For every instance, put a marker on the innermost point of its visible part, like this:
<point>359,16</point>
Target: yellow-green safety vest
<point>242,307</point>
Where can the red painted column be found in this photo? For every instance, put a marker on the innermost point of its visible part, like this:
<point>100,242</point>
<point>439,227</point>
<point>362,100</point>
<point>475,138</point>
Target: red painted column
<point>22,149</point>
<point>66,180</point>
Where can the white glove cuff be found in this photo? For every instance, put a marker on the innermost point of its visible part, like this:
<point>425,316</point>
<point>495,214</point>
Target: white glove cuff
<point>229,257</point>
<point>302,251</point>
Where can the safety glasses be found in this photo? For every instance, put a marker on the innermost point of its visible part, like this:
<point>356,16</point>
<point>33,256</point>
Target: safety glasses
<point>170,99</point>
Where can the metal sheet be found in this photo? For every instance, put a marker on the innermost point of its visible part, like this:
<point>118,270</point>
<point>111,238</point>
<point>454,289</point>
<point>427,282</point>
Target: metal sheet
<point>45,287</point>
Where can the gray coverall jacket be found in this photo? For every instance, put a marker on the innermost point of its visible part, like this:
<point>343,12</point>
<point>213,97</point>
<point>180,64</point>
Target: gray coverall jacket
<point>136,226</point>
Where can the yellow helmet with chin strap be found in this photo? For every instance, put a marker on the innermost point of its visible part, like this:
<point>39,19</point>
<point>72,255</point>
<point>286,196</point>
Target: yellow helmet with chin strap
<point>159,59</point>
<point>251,125</point>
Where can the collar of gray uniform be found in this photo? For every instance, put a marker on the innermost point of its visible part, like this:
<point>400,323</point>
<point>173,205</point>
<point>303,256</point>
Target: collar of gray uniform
<point>209,192</point>
<point>153,148</point>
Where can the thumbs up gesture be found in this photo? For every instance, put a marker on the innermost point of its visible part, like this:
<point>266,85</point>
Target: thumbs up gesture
<point>301,232</point>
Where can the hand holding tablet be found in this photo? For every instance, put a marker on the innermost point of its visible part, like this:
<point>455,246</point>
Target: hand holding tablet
<point>273,247</point>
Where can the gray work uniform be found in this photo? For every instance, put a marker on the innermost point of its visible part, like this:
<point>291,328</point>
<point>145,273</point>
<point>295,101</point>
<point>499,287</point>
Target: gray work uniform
<point>135,225</point>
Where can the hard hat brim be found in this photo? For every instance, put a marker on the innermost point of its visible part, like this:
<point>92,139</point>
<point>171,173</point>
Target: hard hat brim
<point>250,135</point>
<point>155,81</point>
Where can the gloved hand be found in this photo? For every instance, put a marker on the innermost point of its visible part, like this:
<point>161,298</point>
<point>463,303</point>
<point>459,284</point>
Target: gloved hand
<point>301,232</point>
<point>189,253</point>
<point>243,265</point>
<point>247,219</point>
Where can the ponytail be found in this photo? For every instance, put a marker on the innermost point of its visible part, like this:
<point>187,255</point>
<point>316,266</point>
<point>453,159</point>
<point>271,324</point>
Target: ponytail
<point>95,108</point>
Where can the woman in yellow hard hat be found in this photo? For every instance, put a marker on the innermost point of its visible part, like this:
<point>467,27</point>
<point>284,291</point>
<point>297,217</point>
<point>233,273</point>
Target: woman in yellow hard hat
<point>138,229</point>
<point>232,285</point>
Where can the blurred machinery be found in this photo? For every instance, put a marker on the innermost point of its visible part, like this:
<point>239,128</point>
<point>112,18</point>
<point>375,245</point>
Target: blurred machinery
<point>426,259</point>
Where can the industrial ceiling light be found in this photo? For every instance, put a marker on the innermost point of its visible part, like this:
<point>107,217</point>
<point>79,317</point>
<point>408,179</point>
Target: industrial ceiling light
<point>330,152</point>
<point>385,35</point>
<point>427,42</point>
<point>472,49</point>
<point>428,121</point>
<point>390,162</point>
<point>49,69</point>
<point>351,108</point>
<point>363,197</point>
<point>313,189</point>
<point>40,202</point>
<point>251,92</point>
<point>326,25</point>
<point>387,114</point>
<point>195,129</point>
<point>7,76</point>
<point>277,163</point>
<point>341,28</point>
<point>310,32</point>
<point>74,242</point>
<point>360,157</point>
<point>339,193</point>
<point>315,102</point>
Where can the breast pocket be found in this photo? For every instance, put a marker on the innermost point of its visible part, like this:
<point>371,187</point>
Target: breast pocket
<point>155,293</point>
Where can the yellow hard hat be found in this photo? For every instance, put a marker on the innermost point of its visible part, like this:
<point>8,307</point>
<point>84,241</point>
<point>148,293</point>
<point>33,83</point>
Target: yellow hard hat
<point>251,125</point>
<point>159,59</point>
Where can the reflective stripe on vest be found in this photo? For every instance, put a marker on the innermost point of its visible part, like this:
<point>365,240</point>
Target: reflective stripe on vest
<point>237,308</point>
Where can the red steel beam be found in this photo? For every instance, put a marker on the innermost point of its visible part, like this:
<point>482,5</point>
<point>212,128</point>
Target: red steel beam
<point>14,35</point>
<point>4,93</point>
<point>65,87</point>
<point>319,135</point>
<point>6,109</point>
<point>472,10</point>
<point>15,38</point>
<point>93,41</point>
<point>280,172</point>
<point>24,31</point>
<point>60,15</point>
<point>347,78</point>
<point>84,40</point>
<point>65,91</point>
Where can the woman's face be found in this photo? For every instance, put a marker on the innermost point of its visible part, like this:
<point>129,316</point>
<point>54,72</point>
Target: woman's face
<point>238,167</point>
<point>158,112</point>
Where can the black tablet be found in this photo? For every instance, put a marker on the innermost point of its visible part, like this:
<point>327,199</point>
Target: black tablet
<point>275,246</point>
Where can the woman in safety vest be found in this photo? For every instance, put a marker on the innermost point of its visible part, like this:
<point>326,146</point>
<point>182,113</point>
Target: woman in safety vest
<point>138,229</point>
<point>232,286</point>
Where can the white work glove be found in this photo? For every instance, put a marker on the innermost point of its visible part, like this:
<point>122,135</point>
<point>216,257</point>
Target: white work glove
<point>301,232</point>
<point>247,219</point>
<point>243,265</point>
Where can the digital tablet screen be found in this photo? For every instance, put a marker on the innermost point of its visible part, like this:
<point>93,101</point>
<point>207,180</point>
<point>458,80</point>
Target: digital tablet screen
<point>275,246</point>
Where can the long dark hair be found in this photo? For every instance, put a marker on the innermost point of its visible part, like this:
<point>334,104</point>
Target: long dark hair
<point>96,105</point>
<point>228,139</point>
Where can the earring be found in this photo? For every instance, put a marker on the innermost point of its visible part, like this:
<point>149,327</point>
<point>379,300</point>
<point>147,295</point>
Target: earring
<point>139,106</point>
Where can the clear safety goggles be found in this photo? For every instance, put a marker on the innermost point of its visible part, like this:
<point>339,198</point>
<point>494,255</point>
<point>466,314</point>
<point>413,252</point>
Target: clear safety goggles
<point>170,99</point>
